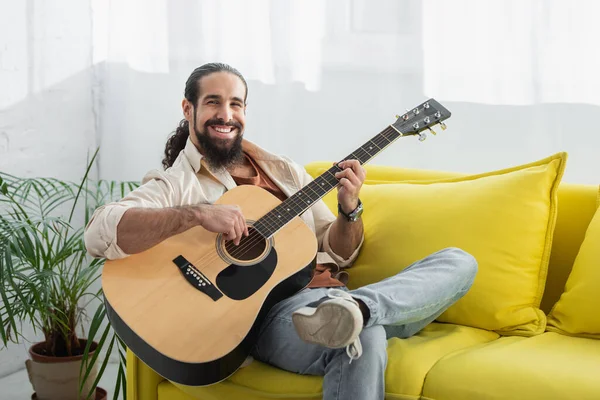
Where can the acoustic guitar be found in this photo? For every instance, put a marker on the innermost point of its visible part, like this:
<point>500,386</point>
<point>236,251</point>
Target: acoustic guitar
<point>191,306</point>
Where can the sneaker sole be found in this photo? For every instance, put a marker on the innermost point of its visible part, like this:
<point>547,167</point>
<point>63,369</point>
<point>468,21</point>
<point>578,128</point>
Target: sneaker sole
<point>334,324</point>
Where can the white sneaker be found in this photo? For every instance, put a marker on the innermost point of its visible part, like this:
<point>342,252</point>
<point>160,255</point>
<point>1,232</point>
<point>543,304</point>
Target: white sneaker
<point>334,321</point>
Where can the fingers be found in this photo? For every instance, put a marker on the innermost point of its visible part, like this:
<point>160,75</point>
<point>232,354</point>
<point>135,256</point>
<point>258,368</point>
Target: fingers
<point>238,225</point>
<point>238,233</point>
<point>231,235</point>
<point>350,176</point>
<point>346,183</point>
<point>355,167</point>
<point>240,228</point>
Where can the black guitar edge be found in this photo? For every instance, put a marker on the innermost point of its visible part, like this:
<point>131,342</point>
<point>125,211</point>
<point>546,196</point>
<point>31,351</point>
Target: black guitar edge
<point>202,374</point>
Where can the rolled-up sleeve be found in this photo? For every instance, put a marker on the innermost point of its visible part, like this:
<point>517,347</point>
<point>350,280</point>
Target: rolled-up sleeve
<point>341,262</point>
<point>100,234</point>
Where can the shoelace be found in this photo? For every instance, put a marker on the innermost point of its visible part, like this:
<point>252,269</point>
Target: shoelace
<point>354,349</point>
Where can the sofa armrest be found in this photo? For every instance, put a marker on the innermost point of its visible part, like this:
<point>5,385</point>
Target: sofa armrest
<point>142,381</point>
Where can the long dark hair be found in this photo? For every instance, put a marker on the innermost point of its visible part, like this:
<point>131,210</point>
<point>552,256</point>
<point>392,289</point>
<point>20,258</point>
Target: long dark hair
<point>176,142</point>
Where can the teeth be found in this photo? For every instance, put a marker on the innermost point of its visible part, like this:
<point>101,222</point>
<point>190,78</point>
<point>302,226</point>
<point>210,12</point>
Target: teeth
<point>222,130</point>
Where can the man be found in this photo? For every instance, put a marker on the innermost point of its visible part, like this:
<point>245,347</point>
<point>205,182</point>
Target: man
<point>325,329</point>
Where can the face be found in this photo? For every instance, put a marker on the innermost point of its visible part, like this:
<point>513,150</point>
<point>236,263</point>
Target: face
<point>217,124</point>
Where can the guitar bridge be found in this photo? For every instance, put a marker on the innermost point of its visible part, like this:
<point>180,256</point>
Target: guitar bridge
<point>197,279</point>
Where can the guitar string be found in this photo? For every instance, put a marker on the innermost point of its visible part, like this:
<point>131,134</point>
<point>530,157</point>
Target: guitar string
<point>240,251</point>
<point>251,242</point>
<point>390,129</point>
<point>382,141</point>
<point>269,220</point>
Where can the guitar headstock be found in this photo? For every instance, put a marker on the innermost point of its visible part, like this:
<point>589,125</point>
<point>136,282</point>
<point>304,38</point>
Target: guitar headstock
<point>423,117</point>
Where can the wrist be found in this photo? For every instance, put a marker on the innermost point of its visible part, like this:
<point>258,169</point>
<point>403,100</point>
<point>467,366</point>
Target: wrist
<point>190,216</point>
<point>352,215</point>
<point>348,206</point>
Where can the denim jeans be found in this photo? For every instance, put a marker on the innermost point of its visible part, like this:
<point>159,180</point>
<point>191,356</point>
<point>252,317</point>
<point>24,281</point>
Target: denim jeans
<point>400,306</point>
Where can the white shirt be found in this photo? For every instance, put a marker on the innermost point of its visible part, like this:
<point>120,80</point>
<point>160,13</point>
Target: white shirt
<point>189,181</point>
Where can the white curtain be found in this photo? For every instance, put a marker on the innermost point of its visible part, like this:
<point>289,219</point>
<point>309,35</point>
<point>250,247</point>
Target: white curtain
<point>258,37</point>
<point>514,52</point>
<point>519,76</point>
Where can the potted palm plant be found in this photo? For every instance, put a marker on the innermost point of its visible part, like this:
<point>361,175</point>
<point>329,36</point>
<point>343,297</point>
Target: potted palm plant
<point>48,281</point>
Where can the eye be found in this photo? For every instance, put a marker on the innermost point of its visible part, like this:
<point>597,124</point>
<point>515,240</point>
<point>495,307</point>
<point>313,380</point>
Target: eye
<point>237,105</point>
<point>211,102</point>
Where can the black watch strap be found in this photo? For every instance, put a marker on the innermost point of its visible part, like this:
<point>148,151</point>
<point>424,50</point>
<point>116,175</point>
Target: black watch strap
<point>354,214</point>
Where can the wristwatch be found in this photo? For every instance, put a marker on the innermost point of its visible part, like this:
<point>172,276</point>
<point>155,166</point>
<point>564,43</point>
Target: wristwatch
<point>354,215</point>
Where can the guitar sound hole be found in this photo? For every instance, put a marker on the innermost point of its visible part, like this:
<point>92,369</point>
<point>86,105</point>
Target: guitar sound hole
<point>250,248</point>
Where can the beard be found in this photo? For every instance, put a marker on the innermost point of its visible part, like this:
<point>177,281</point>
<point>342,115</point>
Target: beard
<point>220,153</point>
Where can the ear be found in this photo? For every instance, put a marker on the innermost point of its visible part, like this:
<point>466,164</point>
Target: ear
<point>188,110</point>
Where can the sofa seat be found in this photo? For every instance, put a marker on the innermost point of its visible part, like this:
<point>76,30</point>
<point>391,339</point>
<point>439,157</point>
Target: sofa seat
<point>409,362</point>
<point>548,366</point>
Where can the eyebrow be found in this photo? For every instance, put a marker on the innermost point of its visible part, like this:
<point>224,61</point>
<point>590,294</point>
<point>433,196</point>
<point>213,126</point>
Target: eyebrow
<point>217,97</point>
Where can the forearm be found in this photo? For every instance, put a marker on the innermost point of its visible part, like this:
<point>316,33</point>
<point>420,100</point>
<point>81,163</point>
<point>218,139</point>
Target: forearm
<point>345,237</point>
<point>143,228</point>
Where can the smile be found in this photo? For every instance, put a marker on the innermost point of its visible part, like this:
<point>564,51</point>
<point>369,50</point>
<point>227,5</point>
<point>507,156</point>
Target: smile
<point>223,131</point>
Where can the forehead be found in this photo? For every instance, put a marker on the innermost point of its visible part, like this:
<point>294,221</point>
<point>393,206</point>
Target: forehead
<point>223,84</point>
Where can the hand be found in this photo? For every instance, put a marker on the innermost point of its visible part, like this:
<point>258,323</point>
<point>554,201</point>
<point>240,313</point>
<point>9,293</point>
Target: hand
<point>351,180</point>
<point>225,219</point>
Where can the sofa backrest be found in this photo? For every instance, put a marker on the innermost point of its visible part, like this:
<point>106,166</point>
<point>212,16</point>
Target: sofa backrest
<point>576,206</point>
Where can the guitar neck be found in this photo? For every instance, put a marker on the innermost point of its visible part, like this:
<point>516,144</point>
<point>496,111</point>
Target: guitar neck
<point>302,200</point>
<point>412,123</point>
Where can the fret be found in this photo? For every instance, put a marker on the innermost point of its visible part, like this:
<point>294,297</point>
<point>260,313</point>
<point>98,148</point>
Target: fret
<point>305,198</point>
<point>364,157</point>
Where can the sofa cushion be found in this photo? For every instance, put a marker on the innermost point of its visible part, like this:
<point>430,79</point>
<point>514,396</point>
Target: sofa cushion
<point>576,312</point>
<point>262,380</point>
<point>504,218</point>
<point>409,361</point>
<point>548,366</point>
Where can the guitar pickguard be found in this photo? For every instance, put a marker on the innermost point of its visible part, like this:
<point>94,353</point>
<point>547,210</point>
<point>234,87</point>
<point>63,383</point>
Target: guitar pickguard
<point>240,282</point>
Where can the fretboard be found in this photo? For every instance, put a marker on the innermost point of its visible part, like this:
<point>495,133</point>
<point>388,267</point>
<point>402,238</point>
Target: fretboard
<point>302,200</point>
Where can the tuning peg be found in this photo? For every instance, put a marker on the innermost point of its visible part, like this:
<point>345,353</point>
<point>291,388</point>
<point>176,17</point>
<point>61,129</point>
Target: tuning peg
<point>422,136</point>
<point>432,131</point>
<point>443,126</point>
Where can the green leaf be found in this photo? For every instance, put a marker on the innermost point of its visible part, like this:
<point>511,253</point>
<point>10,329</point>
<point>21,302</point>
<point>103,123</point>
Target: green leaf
<point>83,181</point>
<point>97,320</point>
<point>104,363</point>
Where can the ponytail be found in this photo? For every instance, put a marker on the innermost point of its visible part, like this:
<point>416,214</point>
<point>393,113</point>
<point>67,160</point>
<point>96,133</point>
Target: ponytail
<point>176,143</point>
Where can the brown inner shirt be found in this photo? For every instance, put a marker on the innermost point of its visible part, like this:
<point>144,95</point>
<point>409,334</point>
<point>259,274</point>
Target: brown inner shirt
<point>322,276</point>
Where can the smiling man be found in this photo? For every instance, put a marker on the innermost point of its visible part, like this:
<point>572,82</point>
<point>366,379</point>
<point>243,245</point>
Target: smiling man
<point>324,329</point>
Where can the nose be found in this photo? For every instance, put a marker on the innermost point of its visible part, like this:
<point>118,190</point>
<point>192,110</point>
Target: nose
<point>225,113</point>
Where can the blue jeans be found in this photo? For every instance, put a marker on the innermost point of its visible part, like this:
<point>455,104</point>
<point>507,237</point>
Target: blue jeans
<point>400,306</point>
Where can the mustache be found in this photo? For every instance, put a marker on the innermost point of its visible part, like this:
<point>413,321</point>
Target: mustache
<point>221,121</point>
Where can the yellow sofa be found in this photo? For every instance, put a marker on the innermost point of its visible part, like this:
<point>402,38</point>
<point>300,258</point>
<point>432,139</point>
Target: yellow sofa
<point>445,361</point>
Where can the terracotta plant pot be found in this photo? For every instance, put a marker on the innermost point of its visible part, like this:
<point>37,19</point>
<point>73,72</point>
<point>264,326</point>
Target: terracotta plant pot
<point>100,394</point>
<point>57,378</point>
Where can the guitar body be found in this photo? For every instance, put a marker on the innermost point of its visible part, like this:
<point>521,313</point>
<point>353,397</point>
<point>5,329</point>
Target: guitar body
<point>191,306</point>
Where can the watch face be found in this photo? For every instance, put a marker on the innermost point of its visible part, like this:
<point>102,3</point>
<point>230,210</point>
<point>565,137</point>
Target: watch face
<point>354,215</point>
